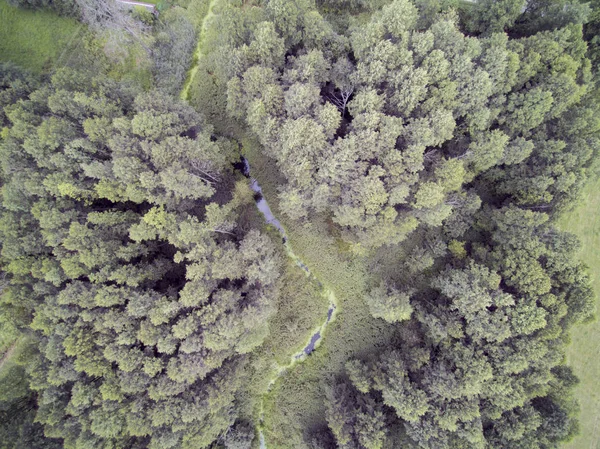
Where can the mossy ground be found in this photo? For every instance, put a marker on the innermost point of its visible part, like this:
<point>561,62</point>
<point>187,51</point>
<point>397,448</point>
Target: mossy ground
<point>584,351</point>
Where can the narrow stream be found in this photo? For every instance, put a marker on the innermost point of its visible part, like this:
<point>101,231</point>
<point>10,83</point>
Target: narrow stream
<point>265,210</point>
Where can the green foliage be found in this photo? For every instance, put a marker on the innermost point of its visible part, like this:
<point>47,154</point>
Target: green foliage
<point>460,395</point>
<point>389,304</point>
<point>296,400</point>
<point>148,293</point>
<point>416,171</point>
<point>355,6</point>
<point>173,49</point>
<point>419,114</point>
<point>15,84</point>
<point>524,18</point>
<point>491,16</point>
<point>240,437</point>
<point>544,15</point>
<point>355,422</point>
<point>18,402</point>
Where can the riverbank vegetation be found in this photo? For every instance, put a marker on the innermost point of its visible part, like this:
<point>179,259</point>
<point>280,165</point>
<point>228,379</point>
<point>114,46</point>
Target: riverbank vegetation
<point>418,155</point>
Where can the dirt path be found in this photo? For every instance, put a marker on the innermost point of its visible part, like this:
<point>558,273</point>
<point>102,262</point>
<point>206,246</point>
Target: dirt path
<point>149,6</point>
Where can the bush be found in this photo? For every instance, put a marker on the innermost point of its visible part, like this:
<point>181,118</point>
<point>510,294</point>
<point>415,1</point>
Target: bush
<point>143,15</point>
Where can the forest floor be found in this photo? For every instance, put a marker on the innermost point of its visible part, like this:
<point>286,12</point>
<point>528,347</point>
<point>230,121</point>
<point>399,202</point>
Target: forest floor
<point>584,351</point>
<point>32,39</point>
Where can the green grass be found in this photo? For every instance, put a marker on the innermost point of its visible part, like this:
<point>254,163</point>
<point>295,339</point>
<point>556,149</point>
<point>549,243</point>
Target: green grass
<point>33,40</point>
<point>294,409</point>
<point>40,40</point>
<point>201,13</point>
<point>584,352</point>
<point>300,308</point>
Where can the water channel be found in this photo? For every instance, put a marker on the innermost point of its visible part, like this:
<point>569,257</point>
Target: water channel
<point>265,210</point>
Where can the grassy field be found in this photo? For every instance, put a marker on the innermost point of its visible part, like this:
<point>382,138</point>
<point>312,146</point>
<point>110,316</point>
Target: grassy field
<point>584,352</point>
<point>33,40</point>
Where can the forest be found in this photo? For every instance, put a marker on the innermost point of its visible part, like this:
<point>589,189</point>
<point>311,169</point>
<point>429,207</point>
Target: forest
<point>307,224</point>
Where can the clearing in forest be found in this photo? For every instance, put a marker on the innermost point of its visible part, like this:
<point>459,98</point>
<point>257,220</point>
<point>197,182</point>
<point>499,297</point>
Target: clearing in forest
<point>7,355</point>
<point>32,39</point>
<point>584,350</point>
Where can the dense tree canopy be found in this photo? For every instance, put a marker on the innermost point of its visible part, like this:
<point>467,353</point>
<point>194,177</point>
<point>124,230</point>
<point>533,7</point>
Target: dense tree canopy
<point>402,124</point>
<point>119,233</point>
<point>432,142</point>
<point>486,354</point>
<point>381,129</point>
